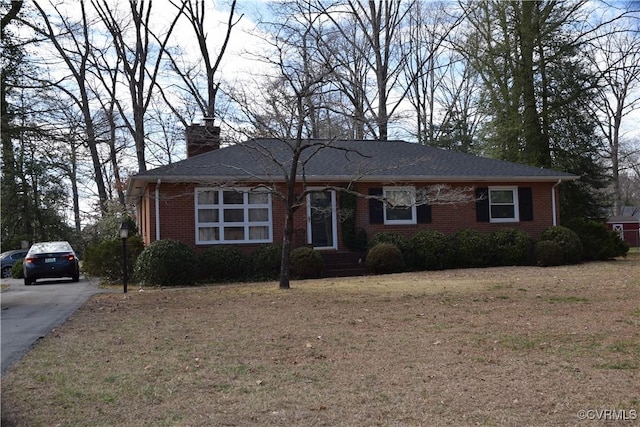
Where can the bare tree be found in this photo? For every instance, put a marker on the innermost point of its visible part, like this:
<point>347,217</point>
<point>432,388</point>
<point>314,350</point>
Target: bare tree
<point>629,177</point>
<point>432,66</point>
<point>167,136</point>
<point>66,126</point>
<point>616,58</point>
<point>372,33</point>
<point>458,96</point>
<point>140,60</point>
<point>309,43</point>
<point>190,74</point>
<point>301,78</point>
<point>13,54</point>
<point>285,116</point>
<point>107,76</point>
<point>348,51</point>
<point>72,43</point>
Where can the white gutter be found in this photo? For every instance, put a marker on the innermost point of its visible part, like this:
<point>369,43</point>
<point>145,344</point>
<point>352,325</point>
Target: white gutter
<point>553,202</point>
<point>157,202</point>
<point>369,178</point>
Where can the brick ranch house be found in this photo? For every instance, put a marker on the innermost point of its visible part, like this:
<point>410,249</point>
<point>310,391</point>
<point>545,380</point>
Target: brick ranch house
<point>228,195</point>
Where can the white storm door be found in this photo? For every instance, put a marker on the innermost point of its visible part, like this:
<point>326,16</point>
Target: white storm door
<point>321,219</point>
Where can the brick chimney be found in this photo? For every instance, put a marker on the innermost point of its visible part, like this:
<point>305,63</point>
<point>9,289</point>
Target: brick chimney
<point>202,138</point>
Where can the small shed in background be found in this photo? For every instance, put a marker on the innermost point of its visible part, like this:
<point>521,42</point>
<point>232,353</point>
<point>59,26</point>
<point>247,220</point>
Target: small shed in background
<point>628,227</point>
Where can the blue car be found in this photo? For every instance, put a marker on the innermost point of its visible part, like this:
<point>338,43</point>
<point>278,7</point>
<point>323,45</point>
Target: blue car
<point>46,260</point>
<point>8,259</point>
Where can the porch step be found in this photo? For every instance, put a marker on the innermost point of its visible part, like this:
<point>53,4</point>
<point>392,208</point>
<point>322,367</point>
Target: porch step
<point>343,264</point>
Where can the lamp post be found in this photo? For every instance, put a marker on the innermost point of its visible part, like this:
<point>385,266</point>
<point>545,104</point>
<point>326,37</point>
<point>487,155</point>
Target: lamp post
<point>124,234</point>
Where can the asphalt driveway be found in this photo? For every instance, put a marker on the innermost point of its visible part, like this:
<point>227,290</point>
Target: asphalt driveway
<point>31,312</point>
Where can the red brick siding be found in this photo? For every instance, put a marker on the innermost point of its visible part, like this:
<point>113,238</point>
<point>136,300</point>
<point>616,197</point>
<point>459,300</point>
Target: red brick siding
<point>451,218</point>
<point>177,215</point>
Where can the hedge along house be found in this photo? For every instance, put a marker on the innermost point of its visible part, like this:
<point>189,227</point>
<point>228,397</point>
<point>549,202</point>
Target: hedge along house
<point>231,195</point>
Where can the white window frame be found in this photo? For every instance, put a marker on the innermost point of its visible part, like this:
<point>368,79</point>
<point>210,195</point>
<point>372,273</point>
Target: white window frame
<point>414,217</point>
<point>221,223</point>
<point>516,209</point>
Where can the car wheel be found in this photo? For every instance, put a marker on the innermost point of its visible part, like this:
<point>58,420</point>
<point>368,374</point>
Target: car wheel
<point>28,282</point>
<point>75,278</point>
<point>6,273</point>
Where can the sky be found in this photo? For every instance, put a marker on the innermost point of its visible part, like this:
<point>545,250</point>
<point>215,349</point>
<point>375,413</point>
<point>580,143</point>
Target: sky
<point>238,65</point>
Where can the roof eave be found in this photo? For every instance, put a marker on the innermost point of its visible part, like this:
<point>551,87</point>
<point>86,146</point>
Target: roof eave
<point>137,184</point>
<point>440,179</point>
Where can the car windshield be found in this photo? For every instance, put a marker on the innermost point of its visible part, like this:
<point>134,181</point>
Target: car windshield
<point>12,254</point>
<point>50,247</point>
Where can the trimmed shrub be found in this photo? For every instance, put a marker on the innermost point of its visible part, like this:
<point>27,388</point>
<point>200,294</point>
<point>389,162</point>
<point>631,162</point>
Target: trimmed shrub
<point>434,250</point>
<point>16,271</point>
<point>473,248</point>
<point>222,264</point>
<point>568,241</point>
<point>598,242</point>
<point>409,255</point>
<point>384,258</point>
<point>167,262</point>
<point>104,260</point>
<point>511,247</point>
<point>265,262</point>
<point>306,263</point>
<point>548,253</point>
<point>387,237</point>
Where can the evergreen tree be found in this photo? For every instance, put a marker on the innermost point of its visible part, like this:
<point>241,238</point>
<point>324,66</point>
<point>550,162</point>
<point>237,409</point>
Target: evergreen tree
<point>12,62</point>
<point>536,86</point>
<point>34,196</point>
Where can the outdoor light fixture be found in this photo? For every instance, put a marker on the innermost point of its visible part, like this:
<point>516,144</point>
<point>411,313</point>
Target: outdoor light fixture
<point>124,230</point>
<point>124,234</point>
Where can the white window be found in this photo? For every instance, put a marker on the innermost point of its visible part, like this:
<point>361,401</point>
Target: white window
<point>503,204</point>
<point>400,205</point>
<point>233,216</point>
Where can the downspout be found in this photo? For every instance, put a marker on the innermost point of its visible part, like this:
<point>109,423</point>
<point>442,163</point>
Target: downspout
<point>158,209</point>
<point>553,202</point>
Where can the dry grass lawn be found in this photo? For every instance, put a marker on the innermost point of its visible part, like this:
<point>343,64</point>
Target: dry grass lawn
<point>489,347</point>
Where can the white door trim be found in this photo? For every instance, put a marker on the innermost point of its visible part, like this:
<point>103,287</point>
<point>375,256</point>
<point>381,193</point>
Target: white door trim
<point>334,223</point>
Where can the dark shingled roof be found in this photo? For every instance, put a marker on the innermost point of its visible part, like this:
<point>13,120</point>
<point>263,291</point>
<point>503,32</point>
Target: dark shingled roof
<point>339,160</point>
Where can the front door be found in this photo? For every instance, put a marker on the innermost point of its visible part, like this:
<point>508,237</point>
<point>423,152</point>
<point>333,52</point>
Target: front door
<point>321,217</point>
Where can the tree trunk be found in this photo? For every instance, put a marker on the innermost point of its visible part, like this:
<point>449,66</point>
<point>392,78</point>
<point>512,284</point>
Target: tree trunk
<point>536,146</point>
<point>285,264</point>
<point>139,141</point>
<point>93,150</point>
<point>9,184</point>
<point>75,194</point>
<point>113,152</point>
<point>618,204</point>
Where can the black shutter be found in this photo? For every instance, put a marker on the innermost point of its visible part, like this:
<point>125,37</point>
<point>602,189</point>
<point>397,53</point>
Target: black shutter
<point>376,215</point>
<point>525,203</point>
<point>482,204</point>
<point>424,214</point>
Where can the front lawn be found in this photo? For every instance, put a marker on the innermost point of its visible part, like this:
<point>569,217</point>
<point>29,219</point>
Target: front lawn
<point>498,346</point>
